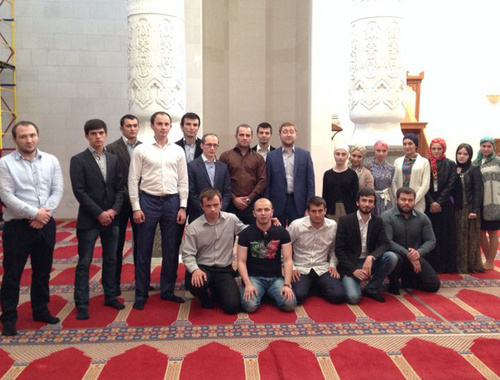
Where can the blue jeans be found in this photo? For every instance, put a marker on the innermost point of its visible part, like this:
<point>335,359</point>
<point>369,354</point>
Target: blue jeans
<point>380,270</point>
<point>164,211</point>
<point>267,285</point>
<point>86,244</point>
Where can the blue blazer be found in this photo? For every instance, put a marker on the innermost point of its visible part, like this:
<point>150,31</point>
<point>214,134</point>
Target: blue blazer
<point>199,180</point>
<point>94,194</point>
<point>303,183</point>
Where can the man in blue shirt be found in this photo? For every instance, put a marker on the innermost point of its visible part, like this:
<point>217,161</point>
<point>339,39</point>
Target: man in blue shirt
<point>32,187</point>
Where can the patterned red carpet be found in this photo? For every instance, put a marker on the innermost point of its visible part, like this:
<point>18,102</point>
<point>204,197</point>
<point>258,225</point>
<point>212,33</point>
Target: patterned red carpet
<point>454,334</point>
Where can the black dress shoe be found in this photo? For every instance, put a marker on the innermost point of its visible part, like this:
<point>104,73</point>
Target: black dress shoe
<point>393,290</point>
<point>47,318</point>
<point>115,304</point>
<point>82,314</point>
<point>374,295</point>
<point>173,298</point>
<point>151,288</point>
<point>138,305</point>
<point>9,330</point>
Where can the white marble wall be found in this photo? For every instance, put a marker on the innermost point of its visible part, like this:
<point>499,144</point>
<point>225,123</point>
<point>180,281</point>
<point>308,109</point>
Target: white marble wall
<point>256,66</point>
<point>72,66</point>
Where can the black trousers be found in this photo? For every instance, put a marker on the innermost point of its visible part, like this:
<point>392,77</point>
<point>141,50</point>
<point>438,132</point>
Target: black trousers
<point>19,242</point>
<point>426,281</point>
<point>221,283</point>
<point>246,215</point>
<point>125,215</point>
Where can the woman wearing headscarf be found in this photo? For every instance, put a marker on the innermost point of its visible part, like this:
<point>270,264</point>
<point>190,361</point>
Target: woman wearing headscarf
<point>412,170</point>
<point>356,157</point>
<point>382,173</point>
<point>340,185</point>
<point>441,209</point>
<point>489,165</point>
<point>468,197</point>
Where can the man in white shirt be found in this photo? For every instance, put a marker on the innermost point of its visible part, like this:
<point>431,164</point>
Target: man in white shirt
<point>31,189</point>
<point>158,188</point>
<point>314,260</point>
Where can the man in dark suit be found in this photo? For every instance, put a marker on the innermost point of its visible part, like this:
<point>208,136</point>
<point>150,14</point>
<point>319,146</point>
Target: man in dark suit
<point>264,133</point>
<point>206,171</point>
<point>190,124</point>
<point>290,177</point>
<point>122,149</point>
<point>96,180</point>
<point>362,249</point>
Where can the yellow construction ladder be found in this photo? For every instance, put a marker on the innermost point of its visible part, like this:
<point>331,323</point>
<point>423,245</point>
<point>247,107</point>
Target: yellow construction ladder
<point>8,93</point>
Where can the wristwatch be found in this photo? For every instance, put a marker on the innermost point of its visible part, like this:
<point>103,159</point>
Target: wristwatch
<point>248,201</point>
<point>287,285</point>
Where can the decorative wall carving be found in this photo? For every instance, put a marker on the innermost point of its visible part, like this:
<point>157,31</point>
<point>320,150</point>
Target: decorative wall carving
<point>156,57</point>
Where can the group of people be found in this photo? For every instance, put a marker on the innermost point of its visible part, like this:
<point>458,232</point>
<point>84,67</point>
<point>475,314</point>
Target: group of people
<point>290,242</point>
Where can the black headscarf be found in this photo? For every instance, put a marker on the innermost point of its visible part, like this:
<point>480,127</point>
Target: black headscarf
<point>468,164</point>
<point>413,137</point>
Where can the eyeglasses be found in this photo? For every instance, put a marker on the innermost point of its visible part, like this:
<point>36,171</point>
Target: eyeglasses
<point>211,146</point>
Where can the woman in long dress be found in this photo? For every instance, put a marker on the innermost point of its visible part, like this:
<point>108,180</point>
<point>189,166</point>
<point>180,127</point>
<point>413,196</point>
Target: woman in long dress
<point>468,199</point>
<point>441,209</point>
<point>356,157</point>
<point>412,170</point>
<point>382,173</point>
<point>340,185</point>
<point>489,164</point>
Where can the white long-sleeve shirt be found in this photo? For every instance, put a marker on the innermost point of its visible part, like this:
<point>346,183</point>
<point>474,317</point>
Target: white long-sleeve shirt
<point>158,170</point>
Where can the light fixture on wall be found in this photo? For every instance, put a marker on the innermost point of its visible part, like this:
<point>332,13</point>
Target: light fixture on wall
<point>493,99</point>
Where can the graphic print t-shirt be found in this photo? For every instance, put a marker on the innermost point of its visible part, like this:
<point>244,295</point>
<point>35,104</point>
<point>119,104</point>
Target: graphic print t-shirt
<point>264,250</point>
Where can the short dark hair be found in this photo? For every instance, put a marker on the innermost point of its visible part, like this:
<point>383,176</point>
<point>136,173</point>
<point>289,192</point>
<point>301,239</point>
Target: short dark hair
<point>128,116</point>
<point>287,124</point>
<point>94,124</point>
<point>23,124</point>
<point>210,193</point>
<point>316,201</point>
<point>366,192</point>
<point>265,125</point>
<point>243,126</point>
<point>405,190</point>
<point>190,115</point>
<point>153,116</point>
<point>204,138</point>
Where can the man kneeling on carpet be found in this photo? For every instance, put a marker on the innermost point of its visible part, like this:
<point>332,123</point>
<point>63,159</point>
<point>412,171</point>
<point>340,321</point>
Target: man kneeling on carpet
<point>362,249</point>
<point>208,254</point>
<point>260,248</point>
<point>314,260</point>
<point>411,236</point>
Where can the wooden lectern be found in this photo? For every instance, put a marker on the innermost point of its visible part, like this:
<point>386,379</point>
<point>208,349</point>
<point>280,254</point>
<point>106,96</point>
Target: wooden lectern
<point>411,122</point>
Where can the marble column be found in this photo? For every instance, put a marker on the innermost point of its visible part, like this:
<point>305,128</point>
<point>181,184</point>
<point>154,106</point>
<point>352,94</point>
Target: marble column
<point>156,65</point>
<point>156,58</point>
<point>377,74</point>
